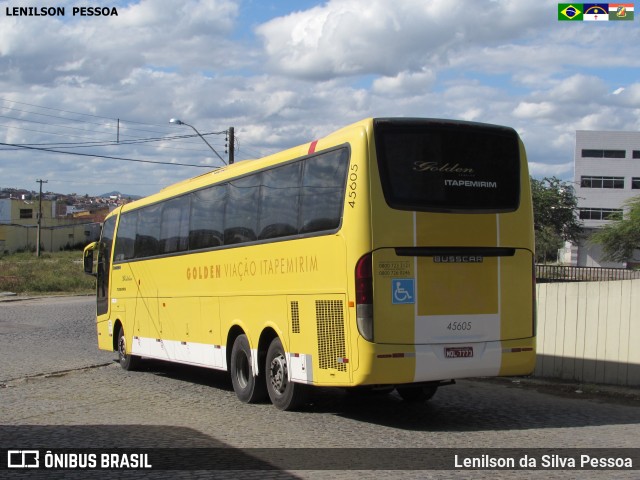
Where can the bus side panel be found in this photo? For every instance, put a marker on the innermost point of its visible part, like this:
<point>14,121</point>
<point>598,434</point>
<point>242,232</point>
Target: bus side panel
<point>105,332</point>
<point>516,305</point>
<point>252,314</point>
<point>319,334</point>
<point>356,228</point>
<point>192,326</point>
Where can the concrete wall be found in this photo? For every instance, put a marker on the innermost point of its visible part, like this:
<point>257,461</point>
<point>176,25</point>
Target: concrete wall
<point>589,332</point>
<point>52,238</point>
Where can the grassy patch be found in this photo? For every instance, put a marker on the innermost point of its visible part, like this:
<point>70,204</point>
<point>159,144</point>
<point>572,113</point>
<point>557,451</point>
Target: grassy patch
<point>58,273</point>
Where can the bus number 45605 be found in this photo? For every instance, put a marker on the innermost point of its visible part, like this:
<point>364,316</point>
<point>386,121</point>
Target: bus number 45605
<point>459,326</point>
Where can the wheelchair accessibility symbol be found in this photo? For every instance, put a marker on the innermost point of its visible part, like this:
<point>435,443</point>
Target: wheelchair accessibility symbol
<point>402,290</point>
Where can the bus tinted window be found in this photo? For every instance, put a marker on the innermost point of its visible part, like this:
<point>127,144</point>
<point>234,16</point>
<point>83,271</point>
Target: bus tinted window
<point>148,232</point>
<point>241,214</point>
<point>305,196</point>
<point>126,236</point>
<point>448,166</point>
<point>174,229</point>
<point>323,184</point>
<point>279,202</point>
<point>207,217</point>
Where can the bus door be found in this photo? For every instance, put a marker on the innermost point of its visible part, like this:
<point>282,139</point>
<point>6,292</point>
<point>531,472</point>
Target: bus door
<point>104,265</point>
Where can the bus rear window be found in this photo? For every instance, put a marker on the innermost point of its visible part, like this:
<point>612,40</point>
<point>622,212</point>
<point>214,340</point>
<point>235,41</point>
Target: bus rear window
<point>448,166</point>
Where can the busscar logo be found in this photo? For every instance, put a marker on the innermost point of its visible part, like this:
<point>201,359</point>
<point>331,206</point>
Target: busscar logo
<point>23,459</point>
<point>458,259</point>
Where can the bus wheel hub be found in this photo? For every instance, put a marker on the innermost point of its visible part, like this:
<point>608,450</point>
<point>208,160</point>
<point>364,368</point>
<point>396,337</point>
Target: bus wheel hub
<point>278,374</point>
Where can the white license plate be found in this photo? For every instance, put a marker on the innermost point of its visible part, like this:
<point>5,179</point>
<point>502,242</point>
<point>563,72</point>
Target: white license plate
<point>458,352</point>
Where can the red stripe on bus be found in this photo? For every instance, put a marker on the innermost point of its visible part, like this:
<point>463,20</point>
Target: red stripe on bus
<point>312,147</point>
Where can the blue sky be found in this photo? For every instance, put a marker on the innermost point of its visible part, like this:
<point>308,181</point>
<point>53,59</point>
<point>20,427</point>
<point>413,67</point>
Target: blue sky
<point>284,73</point>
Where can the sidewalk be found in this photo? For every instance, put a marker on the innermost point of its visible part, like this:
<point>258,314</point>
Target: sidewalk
<point>623,395</point>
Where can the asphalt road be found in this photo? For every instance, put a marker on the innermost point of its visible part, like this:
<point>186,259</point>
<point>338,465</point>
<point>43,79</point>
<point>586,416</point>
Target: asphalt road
<point>57,390</point>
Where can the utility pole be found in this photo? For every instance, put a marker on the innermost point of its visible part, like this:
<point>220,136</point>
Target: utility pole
<point>231,144</point>
<point>39,216</point>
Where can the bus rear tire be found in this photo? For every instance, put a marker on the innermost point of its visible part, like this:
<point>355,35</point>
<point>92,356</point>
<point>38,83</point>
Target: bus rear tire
<point>249,388</point>
<point>127,361</point>
<point>417,394</point>
<point>284,394</point>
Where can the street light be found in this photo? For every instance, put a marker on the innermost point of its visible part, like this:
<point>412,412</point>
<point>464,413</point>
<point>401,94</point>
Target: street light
<point>180,122</point>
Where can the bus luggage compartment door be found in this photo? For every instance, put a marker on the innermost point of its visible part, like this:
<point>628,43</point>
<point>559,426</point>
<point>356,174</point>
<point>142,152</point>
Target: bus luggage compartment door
<point>431,295</point>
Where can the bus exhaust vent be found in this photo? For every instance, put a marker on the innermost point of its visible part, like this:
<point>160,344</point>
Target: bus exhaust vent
<point>295,317</point>
<point>331,341</point>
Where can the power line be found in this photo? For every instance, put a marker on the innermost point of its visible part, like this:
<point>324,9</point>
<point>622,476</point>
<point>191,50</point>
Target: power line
<point>58,125</point>
<point>111,126</point>
<point>116,143</point>
<point>84,182</point>
<point>106,156</point>
<point>140,141</point>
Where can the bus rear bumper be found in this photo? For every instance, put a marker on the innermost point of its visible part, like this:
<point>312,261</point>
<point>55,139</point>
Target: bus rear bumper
<point>386,364</point>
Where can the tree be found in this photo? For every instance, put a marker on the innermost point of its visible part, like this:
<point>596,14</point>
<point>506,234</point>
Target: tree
<point>620,238</point>
<point>555,216</point>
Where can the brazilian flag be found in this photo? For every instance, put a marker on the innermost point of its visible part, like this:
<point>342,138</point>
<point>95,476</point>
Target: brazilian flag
<point>570,11</point>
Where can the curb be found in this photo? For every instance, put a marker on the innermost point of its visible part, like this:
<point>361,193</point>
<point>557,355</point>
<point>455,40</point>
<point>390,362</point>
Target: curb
<point>14,297</point>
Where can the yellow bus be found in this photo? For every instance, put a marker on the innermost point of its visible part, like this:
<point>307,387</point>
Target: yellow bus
<point>392,253</point>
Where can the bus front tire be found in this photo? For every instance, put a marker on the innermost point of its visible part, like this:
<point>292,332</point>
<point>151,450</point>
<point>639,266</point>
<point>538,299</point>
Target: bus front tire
<point>249,388</point>
<point>127,361</point>
<point>284,394</point>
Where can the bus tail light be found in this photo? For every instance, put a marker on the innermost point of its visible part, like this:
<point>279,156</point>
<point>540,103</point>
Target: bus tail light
<point>364,297</point>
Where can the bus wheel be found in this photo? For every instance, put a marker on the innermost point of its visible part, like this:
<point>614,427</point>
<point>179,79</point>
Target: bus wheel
<point>285,395</point>
<point>417,394</point>
<point>127,361</point>
<point>249,388</point>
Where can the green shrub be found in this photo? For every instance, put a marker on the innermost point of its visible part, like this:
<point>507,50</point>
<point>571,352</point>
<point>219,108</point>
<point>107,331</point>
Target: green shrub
<point>51,273</point>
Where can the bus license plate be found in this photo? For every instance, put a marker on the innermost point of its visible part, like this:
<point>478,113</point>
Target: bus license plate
<point>458,352</point>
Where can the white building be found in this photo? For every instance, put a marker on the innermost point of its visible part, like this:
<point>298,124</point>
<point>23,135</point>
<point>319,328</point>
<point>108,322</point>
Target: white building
<point>607,173</point>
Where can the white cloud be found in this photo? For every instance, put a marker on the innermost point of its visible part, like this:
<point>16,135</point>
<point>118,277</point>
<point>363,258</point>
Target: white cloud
<point>534,110</point>
<point>303,75</point>
<point>404,83</point>
<point>578,88</point>
<point>350,37</point>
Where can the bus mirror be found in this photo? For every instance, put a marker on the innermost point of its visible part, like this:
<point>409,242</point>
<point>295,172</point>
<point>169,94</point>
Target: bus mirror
<point>88,258</point>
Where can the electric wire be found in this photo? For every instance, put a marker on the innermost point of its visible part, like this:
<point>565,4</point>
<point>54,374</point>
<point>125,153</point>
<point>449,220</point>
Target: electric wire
<point>108,156</point>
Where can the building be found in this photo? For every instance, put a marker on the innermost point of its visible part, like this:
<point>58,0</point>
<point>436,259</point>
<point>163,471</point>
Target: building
<point>19,227</point>
<point>607,174</point>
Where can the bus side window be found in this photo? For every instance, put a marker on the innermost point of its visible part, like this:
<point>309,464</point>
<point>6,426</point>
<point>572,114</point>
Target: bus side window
<point>279,201</point>
<point>126,235</point>
<point>148,232</point>
<point>323,185</point>
<point>207,217</point>
<point>174,228</point>
<point>241,212</point>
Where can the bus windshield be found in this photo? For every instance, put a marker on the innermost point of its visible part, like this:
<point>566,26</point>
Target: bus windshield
<point>430,165</point>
